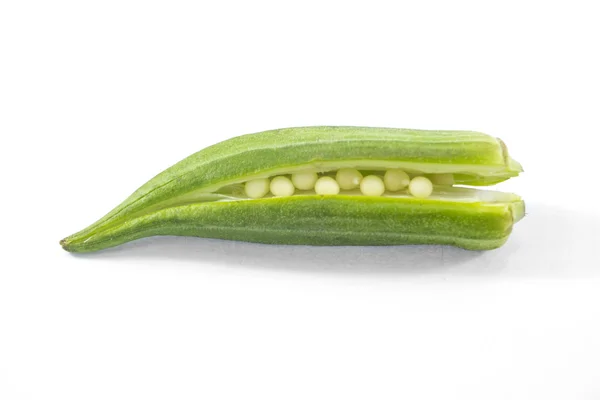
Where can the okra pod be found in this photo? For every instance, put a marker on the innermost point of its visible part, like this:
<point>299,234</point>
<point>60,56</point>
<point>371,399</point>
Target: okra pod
<point>325,186</point>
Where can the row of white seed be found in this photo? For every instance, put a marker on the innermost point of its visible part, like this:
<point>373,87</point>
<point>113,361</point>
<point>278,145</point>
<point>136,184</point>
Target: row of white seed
<point>345,179</point>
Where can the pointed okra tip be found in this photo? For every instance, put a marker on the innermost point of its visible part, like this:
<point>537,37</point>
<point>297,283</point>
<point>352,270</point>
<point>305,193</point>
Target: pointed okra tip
<point>69,245</point>
<point>64,243</point>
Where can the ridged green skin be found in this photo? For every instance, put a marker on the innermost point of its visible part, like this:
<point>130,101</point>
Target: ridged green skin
<point>155,208</point>
<point>322,221</point>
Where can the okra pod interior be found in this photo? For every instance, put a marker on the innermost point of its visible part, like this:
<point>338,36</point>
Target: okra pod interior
<point>350,181</point>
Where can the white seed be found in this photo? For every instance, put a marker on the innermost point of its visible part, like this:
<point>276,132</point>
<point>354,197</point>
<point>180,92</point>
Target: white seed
<point>326,185</point>
<point>372,186</point>
<point>257,188</point>
<point>395,179</point>
<point>442,179</point>
<point>282,186</point>
<point>304,180</point>
<point>420,187</point>
<point>348,178</point>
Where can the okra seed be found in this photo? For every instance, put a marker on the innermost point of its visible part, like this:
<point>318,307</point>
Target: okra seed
<point>304,180</point>
<point>420,187</point>
<point>257,188</point>
<point>348,178</point>
<point>282,186</point>
<point>395,179</point>
<point>326,185</point>
<point>372,185</point>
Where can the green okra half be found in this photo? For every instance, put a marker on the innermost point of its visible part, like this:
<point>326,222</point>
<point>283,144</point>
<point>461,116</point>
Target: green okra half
<point>325,186</point>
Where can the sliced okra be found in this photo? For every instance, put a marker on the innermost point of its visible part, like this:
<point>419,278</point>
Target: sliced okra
<point>325,186</point>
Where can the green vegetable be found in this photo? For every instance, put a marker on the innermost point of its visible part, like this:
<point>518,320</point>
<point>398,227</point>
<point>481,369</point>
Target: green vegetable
<point>335,186</point>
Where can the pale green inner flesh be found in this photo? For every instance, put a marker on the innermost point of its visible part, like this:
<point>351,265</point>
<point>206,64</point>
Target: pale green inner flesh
<point>378,165</point>
<point>326,167</point>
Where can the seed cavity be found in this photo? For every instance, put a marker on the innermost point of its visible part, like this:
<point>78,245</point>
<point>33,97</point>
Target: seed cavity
<point>348,179</point>
<point>441,179</point>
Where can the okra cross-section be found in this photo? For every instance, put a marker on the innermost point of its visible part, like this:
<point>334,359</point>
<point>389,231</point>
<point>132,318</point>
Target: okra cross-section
<point>326,186</point>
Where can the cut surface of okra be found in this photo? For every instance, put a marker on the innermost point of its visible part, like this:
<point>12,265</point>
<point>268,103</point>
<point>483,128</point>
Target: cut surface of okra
<point>326,186</point>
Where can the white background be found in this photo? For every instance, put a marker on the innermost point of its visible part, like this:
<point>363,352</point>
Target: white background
<point>98,97</point>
